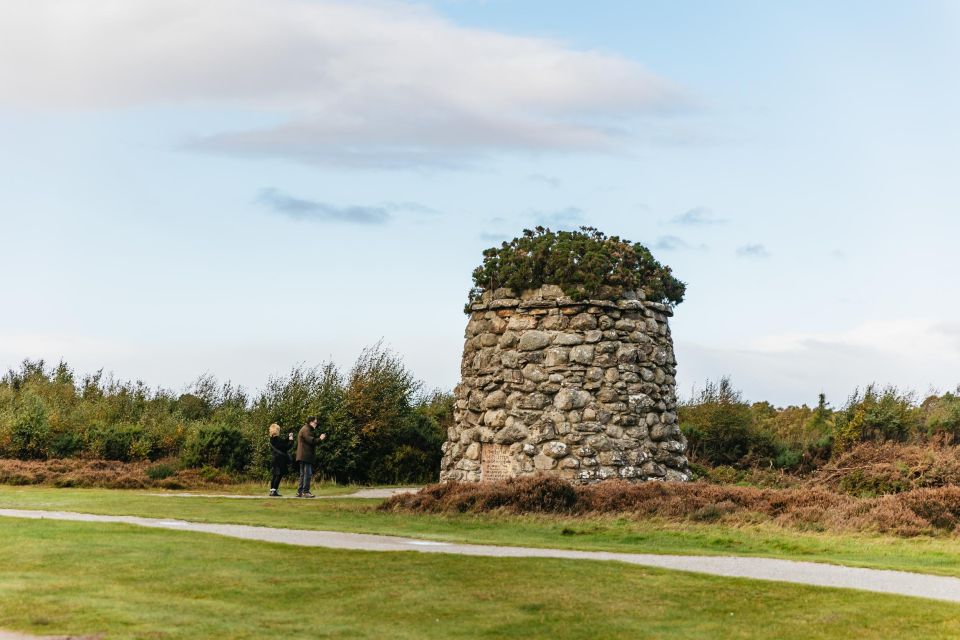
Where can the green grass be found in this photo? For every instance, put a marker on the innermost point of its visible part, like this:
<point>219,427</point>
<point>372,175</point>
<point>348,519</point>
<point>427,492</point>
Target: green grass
<point>609,533</point>
<point>131,582</point>
<point>260,489</point>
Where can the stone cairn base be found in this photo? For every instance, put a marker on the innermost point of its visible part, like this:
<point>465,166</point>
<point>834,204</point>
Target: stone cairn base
<point>583,390</point>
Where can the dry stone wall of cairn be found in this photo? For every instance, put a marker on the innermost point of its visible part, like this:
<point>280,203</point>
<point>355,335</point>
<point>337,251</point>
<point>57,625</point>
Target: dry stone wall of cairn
<point>584,390</point>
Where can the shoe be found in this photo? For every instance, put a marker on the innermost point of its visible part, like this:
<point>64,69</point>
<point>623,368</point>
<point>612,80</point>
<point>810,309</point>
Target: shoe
<point>273,492</point>
<point>277,495</point>
<point>299,495</point>
<point>309,495</point>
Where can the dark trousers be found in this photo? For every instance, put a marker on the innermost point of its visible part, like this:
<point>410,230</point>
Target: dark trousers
<point>277,471</point>
<point>306,474</point>
<point>276,477</point>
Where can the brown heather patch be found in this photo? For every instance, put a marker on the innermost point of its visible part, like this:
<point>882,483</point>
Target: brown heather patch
<point>106,474</point>
<point>882,468</point>
<point>921,511</point>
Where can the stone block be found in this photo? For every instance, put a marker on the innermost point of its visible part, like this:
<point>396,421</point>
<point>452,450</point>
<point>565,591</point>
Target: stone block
<point>533,340</point>
<point>582,354</point>
<point>567,399</point>
<point>555,449</point>
<point>543,462</point>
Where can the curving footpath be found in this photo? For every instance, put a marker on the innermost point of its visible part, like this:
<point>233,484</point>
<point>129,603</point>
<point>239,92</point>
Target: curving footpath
<point>810,573</point>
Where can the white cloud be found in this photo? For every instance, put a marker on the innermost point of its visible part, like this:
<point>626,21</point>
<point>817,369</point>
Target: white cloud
<point>913,353</point>
<point>359,83</point>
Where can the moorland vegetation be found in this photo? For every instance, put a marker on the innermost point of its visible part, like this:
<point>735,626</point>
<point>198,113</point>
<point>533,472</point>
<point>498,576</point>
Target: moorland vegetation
<point>382,427</point>
<point>58,428</point>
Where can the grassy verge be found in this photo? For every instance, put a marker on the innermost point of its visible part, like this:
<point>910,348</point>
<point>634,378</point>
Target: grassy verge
<point>129,582</point>
<point>935,555</point>
<point>260,489</point>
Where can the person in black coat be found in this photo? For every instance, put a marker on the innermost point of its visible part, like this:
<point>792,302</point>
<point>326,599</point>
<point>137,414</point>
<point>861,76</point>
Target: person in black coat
<point>280,448</point>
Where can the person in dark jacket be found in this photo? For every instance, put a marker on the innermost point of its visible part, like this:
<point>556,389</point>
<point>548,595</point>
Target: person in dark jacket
<point>307,441</point>
<point>280,447</point>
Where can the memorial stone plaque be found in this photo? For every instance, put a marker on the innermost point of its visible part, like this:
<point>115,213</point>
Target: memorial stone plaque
<point>495,462</point>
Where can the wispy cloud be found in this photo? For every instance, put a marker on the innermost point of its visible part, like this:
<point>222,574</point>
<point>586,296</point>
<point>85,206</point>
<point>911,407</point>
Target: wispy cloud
<point>493,237</point>
<point>699,216</point>
<point>676,243</point>
<point>318,71</point>
<point>550,181</point>
<point>566,218</point>
<point>753,251</point>
<point>316,211</point>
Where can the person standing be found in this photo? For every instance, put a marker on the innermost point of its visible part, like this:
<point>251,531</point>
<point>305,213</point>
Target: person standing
<point>280,447</point>
<point>307,441</point>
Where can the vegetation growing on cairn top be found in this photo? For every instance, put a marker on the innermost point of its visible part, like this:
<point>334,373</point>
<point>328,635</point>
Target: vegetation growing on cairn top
<point>585,264</point>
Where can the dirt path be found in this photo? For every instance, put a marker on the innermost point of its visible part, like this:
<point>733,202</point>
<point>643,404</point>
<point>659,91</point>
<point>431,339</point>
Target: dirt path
<point>811,573</point>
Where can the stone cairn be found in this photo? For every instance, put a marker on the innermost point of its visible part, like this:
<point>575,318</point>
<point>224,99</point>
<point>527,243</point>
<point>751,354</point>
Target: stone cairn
<point>583,390</point>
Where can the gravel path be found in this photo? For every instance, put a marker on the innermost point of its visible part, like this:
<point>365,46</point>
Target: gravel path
<point>811,573</point>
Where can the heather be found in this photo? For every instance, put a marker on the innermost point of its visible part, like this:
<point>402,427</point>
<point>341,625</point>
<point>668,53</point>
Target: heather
<point>808,508</point>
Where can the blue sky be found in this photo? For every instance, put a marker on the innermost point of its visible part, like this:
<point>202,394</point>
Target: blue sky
<point>238,186</point>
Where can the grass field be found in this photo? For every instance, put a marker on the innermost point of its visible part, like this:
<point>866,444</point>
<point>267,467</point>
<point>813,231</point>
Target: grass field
<point>939,555</point>
<point>130,582</point>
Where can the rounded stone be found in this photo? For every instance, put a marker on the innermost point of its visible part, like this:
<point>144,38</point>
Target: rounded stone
<point>495,400</point>
<point>582,354</point>
<point>567,339</point>
<point>534,373</point>
<point>533,340</point>
<point>583,322</point>
<point>567,399</point>
<point>555,449</point>
<point>495,419</point>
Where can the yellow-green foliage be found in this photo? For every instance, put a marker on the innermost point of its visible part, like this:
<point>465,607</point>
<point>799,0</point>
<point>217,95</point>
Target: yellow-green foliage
<point>380,428</point>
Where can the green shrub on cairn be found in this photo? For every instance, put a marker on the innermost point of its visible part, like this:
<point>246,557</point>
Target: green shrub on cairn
<point>585,264</point>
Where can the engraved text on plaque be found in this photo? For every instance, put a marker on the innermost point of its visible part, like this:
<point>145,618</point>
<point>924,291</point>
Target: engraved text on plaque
<point>495,462</point>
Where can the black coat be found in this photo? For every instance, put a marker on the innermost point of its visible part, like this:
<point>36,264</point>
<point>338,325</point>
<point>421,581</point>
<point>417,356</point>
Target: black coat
<point>280,448</point>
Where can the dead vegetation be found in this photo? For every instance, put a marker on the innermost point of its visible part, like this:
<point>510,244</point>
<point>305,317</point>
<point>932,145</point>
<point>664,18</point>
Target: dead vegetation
<point>108,474</point>
<point>873,469</point>
<point>932,511</point>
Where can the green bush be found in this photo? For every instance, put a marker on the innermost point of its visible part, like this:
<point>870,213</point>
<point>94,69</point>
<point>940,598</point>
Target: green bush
<point>876,415</point>
<point>193,407</point>
<point>160,471</point>
<point>584,263</point>
<point>788,459</point>
<point>219,446</point>
<point>719,428</point>
<point>114,442</point>
<point>65,445</point>
<point>942,416</point>
<point>30,429</point>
